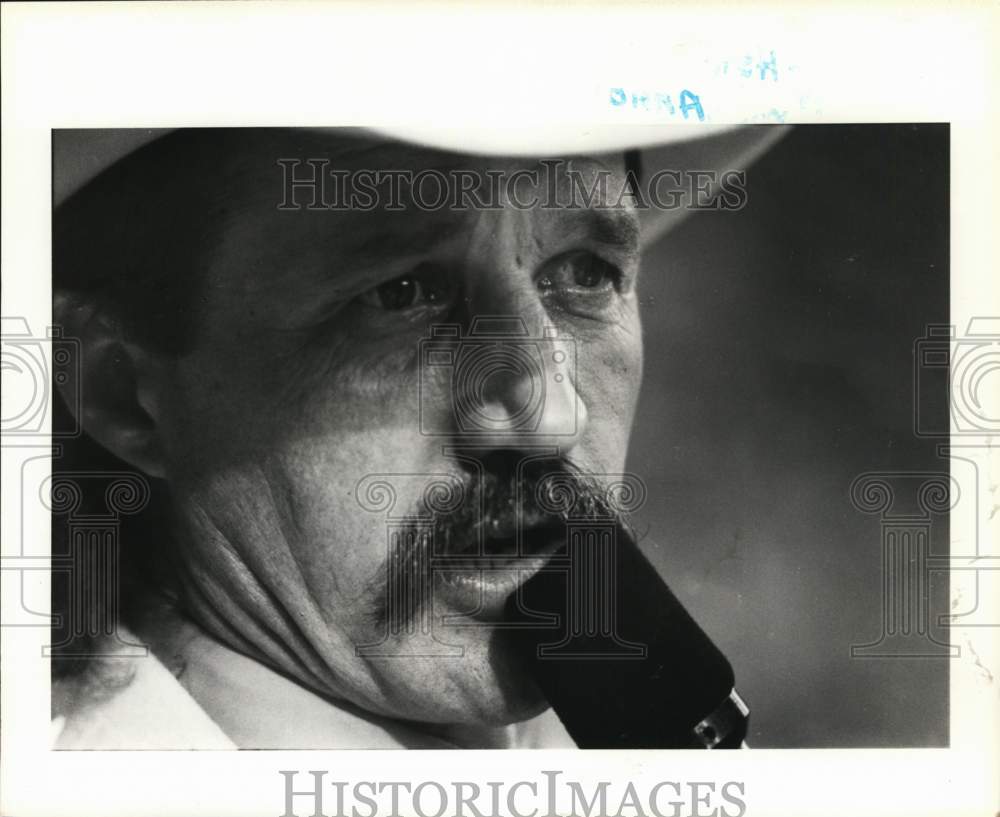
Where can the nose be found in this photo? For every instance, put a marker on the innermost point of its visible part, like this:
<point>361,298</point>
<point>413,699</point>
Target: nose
<point>515,388</point>
<point>514,380</point>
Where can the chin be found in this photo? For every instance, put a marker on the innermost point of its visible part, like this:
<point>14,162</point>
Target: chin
<point>506,706</point>
<point>484,687</point>
<point>511,696</point>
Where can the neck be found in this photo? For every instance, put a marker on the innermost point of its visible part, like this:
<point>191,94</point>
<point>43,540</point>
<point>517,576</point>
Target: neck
<point>258,707</point>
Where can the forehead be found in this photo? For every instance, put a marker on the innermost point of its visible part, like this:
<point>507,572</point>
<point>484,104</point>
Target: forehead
<point>298,203</point>
<point>313,172</point>
<point>251,157</point>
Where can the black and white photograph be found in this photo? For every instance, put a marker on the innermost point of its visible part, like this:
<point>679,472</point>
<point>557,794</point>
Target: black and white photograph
<point>610,445</point>
<point>368,411</point>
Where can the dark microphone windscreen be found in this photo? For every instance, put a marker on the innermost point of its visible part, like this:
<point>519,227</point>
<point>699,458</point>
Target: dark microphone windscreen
<point>621,661</point>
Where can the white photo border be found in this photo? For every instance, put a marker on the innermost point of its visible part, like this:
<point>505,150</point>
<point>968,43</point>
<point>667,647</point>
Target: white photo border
<point>302,63</point>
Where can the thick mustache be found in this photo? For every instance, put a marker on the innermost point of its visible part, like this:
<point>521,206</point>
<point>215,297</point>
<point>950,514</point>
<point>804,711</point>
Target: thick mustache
<point>500,504</point>
<point>504,506</point>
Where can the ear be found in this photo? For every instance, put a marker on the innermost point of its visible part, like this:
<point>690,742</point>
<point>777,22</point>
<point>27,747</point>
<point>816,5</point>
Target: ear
<point>119,384</point>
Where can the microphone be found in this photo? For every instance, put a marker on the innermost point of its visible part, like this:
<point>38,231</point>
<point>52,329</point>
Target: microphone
<point>622,663</point>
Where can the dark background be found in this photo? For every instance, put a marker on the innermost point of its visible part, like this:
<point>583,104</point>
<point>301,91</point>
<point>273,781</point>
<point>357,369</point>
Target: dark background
<point>779,367</point>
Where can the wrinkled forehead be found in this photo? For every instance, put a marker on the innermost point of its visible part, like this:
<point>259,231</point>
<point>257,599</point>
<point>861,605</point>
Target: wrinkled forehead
<point>301,199</point>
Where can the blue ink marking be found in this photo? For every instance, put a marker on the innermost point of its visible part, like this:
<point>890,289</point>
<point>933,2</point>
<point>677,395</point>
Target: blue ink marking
<point>691,102</point>
<point>773,115</point>
<point>749,66</point>
<point>663,101</point>
<point>769,65</point>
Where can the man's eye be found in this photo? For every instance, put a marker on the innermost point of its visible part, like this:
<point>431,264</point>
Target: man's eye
<point>580,271</point>
<point>592,272</point>
<point>415,289</point>
<point>399,293</point>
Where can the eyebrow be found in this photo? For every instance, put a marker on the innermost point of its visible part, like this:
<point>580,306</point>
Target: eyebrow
<point>402,235</point>
<point>390,242</point>
<point>618,228</point>
<point>613,227</point>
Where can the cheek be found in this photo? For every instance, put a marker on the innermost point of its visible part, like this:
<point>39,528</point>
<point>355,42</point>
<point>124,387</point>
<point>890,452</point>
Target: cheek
<point>301,520</point>
<point>339,543</point>
<point>313,426</point>
<point>235,404</point>
<point>609,376</point>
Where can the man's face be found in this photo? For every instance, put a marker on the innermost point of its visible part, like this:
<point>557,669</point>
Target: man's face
<point>309,388</point>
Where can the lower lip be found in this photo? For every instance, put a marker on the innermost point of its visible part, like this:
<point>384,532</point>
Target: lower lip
<point>479,588</point>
